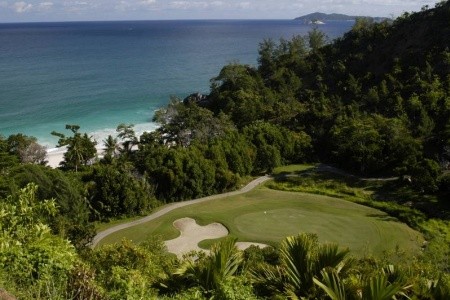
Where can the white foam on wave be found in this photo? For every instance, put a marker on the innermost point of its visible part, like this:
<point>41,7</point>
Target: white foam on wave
<point>102,134</point>
<point>55,154</point>
<point>56,150</point>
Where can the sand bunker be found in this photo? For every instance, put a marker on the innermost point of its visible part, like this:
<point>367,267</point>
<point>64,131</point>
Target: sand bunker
<point>245,245</point>
<point>192,234</point>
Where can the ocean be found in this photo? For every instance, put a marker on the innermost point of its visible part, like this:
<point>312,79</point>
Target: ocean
<point>100,74</point>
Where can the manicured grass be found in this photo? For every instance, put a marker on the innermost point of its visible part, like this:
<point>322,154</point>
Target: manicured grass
<point>267,216</point>
<point>100,226</point>
<point>291,169</point>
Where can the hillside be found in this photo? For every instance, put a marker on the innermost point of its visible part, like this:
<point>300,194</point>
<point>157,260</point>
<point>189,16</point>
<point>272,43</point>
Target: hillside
<point>318,16</point>
<point>412,39</point>
<point>378,73</point>
<point>375,103</point>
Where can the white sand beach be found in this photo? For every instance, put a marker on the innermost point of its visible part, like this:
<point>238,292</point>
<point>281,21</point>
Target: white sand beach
<point>55,156</point>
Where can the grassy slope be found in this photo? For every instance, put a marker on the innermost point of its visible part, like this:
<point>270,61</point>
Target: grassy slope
<point>267,216</point>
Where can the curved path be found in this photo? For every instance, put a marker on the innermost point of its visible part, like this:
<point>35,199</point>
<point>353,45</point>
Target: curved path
<point>101,235</point>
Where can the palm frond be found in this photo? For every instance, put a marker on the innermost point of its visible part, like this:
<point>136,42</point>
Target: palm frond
<point>271,277</point>
<point>208,272</point>
<point>331,284</point>
<point>329,255</point>
<point>297,256</point>
<point>379,288</point>
<point>439,289</point>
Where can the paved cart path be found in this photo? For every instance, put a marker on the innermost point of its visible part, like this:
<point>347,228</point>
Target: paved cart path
<point>321,168</point>
<point>101,235</point>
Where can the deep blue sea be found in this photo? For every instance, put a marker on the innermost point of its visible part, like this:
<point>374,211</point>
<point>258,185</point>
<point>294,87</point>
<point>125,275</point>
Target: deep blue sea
<point>101,74</point>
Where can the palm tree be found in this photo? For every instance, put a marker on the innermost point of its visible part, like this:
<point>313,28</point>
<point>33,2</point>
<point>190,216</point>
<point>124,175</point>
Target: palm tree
<point>128,136</point>
<point>332,284</point>
<point>80,148</point>
<point>80,151</point>
<point>111,147</point>
<point>385,285</point>
<point>301,259</point>
<point>440,288</point>
<point>210,271</point>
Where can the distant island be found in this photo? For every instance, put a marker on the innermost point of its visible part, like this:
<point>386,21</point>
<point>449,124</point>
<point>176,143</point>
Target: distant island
<point>320,18</point>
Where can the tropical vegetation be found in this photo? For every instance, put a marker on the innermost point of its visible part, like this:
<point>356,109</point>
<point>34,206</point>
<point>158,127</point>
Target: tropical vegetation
<point>374,102</point>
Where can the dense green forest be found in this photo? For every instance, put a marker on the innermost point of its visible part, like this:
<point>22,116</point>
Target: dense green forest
<point>375,103</point>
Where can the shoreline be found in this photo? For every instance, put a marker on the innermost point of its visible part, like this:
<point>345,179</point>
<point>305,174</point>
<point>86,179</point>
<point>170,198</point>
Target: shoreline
<point>56,155</point>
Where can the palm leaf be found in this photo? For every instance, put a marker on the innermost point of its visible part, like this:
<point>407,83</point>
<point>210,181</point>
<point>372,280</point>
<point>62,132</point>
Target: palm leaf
<point>379,288</point>
<point>331,284</point>
<point>440,289</point>
<point>329,255</point>
<point>297,257</point>
<point>272,277</point>
<point>208,272</point>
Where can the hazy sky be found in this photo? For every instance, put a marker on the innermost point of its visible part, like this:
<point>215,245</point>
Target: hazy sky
<point>69,10</point>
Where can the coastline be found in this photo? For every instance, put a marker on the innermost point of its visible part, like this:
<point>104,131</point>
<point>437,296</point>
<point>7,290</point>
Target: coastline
<point>55,155</point>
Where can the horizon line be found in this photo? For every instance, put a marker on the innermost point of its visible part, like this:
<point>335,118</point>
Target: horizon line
<point>188,19</point>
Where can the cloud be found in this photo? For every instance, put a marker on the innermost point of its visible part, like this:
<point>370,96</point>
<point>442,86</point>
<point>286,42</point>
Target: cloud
<point>244,5</point>
<point>134,5</point>
<point>196,5</point>
<point>21,7</point>
<point>23,10</point>
<point>148,2</point>
<point>189,4</point>
<point>75,3</point>
<point>45,5</point>
<point>78,6</point>
<point>123,5</point>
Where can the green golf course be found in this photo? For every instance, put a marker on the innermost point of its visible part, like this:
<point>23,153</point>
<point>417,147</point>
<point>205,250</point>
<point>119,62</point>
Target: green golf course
<point>267,216</point>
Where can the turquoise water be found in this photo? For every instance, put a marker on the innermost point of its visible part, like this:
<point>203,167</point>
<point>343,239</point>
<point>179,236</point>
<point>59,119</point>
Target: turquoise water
<point>100,74</point>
